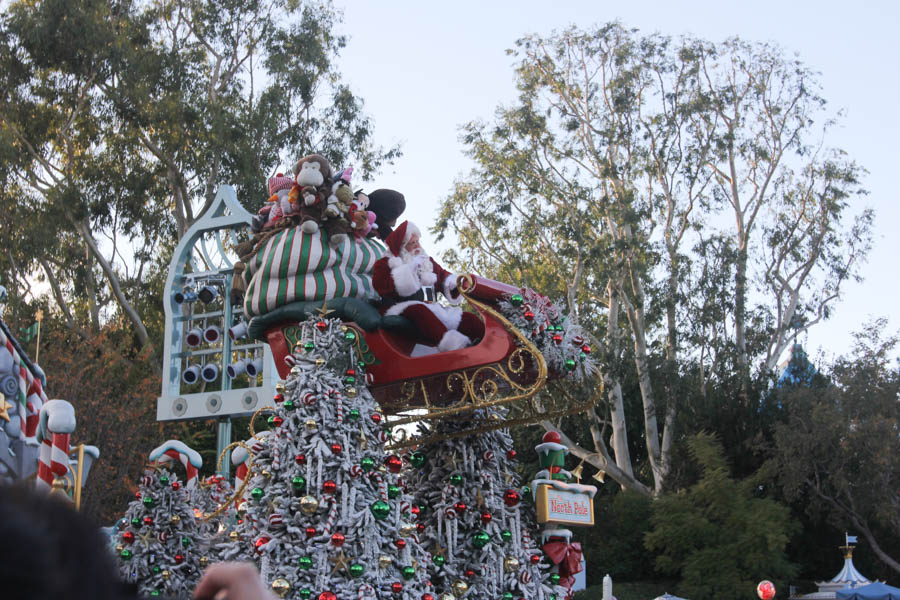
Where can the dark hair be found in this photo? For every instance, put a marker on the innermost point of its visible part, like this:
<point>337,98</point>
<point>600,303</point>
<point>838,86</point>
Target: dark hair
<point>50,551</point>
<point>387,205</point>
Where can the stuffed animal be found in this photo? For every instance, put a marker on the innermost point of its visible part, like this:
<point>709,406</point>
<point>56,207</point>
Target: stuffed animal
<point>308,196</point>
<point>361,220</point>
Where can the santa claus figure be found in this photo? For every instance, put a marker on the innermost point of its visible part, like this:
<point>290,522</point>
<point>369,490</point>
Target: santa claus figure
<point>407,280</point>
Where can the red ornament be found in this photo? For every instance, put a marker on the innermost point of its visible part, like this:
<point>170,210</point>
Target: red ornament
<point>336,448</point>
<point>414,510</point>
<point>511,497</point>
<point>277,421</point>
<point>401,544</point>
<point>586,349</point>
<point>469,573</point>
<point>321,325</point>
<point>486,517</point>
<point>179,558</point>
<point>427,596</point>
<point>310,532</point>
<point>535,559</point>
<point>279,398</point>
<point>176,486</point>
<point>329,487</point>
<point>376,417</point>
<point>137,495</point>
<point>396,587</point>
<point>511,454</point>
<point>148,520</point>
<point>327,596</point>
<point>528,315</point>
<point>460,507</point>
<point>300,459</point>
<point>337,539</point>
<point>765,590</point>
<point>557,339</point>
<point>393,463</point>
<point>350,372</point>
<point>551,436</point>
<point>420,527</point>
<point>128,537</point>
<point>259,543</point>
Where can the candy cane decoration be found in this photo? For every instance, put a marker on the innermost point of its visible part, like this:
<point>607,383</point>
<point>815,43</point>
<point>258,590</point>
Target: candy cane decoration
<point>339,406</point>
<point>57,422</point>
<point>239,457</point>
<point>366,591</point>
<point>176,450</point>
<point>332,516</point>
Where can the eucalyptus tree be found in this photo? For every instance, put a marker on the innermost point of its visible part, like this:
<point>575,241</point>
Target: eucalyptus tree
<point>603,184</point>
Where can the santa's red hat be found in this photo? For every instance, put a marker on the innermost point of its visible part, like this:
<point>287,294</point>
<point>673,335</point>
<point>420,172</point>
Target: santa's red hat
<point>400,236</point>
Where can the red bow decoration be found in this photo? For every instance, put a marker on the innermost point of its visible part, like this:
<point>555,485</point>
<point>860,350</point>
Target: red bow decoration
<point>567,556</point>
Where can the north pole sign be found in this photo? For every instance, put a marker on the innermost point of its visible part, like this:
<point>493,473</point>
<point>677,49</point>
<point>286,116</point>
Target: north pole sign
<point>565,506</point>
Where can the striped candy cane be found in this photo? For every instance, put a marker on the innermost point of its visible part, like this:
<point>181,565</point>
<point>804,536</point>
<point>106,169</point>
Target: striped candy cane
<point>56,423</point>
<point>366,591</point>
<point>176,450</point>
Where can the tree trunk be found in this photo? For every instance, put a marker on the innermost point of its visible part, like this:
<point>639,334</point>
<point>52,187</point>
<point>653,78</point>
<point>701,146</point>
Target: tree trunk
<point>619,440</point>
<point>57,293</point>
<point>740,325</point>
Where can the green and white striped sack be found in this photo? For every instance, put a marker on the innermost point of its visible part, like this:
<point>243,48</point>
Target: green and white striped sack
<point>294,265</point>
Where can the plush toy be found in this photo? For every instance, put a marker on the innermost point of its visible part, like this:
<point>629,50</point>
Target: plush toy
<point>361,220</point>
<point>308,196</point>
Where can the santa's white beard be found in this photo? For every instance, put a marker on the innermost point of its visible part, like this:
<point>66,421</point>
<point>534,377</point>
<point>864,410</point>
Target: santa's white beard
<point>424,267</point>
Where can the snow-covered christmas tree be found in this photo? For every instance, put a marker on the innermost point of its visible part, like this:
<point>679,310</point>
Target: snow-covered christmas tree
<point>161,545</point>
<point>324,515</point>
<point>480,535</point>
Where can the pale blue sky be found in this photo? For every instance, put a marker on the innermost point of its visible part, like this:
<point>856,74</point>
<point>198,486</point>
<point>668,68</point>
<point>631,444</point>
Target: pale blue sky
<point>424,68</point>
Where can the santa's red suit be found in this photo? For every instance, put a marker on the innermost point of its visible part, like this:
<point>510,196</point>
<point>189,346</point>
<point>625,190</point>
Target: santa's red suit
<point>407,282</point>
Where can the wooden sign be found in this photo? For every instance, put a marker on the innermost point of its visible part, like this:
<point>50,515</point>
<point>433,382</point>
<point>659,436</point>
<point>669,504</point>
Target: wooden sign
<point>566,507</point>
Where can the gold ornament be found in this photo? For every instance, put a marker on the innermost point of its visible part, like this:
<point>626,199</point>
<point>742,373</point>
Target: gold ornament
<point>175,520</point>
<point>266,473</point>
<point>203,561</point>
<point>281,587</point>
<point>320,362</point>
<point>407,530</point>
<point>119,547</point>
<point>496,417</point>
<point>309,505</point>
<point>311,425</point>
<point>279,388</point>
<point>385,561</point>
<point>60,485</point>
<point>297,370</point>
<point>576,472</point>
<point>351,392</point>
<point>233,536</point>
<point>166,574</point>
<point>460,588</point>
<point>599,475</point>
<point>511,564</point>
<point>446,596</point>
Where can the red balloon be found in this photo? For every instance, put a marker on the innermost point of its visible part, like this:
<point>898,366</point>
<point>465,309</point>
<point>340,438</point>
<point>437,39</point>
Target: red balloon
<point>765,590</point>
<point>337,539</point>
<point>393,463</point>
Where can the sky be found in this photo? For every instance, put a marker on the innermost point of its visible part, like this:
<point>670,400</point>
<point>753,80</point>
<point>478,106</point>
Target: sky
<point>425,68</point>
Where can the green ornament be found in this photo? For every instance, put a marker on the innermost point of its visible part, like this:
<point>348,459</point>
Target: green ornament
<point>481,538</point>
<point>257,493</point>
<point>582,356</point>
<point>506,535</point>
<point>417,459</point>
<point>148,501</point>
<point>380,509</point>
<point>299,483</point>
<point>185,541</point>
<point>393,491</point>
<point>516,299</point>
<point>271,421</point>
<point>164,480</point>
<point>354,414</point>
<point>305,563</point>
<point>438,560</point>
<point>526,492</point>
<point>154,593</point>
<point>570,364</point>
<point>156,569</point>
<point>356,570</point>
<point>350,335</point>
<point>126,554</point>
<point>456,479</point>
<point>309,346</point>
<point>288,405</point>
<point>135,522</point>
<point>554,578</point>
<point>349,379</point>
<point>408,572</point>
<point>367,464</point>
<point>305,593</point>
<point>423,509</point>
<point>552,596</point>
<point>507,596</point>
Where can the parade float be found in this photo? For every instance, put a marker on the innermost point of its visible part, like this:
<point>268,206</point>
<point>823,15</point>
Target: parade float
<point>386,470</point>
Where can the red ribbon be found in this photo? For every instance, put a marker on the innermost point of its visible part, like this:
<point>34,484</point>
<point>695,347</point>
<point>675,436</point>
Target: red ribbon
<point>567,556</point>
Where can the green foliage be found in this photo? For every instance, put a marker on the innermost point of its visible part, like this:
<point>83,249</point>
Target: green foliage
<point>720,534</point>
<point>616,548</point>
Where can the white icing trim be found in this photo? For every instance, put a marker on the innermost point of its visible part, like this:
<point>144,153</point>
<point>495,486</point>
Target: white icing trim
<point>576,488</point>
<point>547,447</point>
<point>181,448</point>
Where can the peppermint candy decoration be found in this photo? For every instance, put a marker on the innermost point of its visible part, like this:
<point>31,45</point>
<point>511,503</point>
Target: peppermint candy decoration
<point>146,480</point>
<point>257,446</point>
<point>450,513</point>
<point>404,506</point>
<point>276,520</point>
<point>525,576</point>
<point>289,360</point>
<point>309,399</point>
<point>384,436</point>
<point>577,340</point>
<point>163,536</point>
<point>355,471</point>
<point>488,455</point>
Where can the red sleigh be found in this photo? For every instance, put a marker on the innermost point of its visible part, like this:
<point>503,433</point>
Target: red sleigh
<point>503,367</point>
